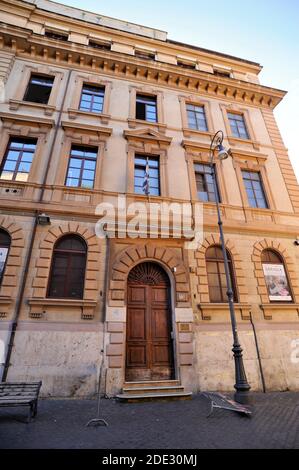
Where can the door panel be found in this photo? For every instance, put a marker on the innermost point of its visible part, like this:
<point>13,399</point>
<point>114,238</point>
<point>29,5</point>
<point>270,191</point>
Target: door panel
<point>149,353</point>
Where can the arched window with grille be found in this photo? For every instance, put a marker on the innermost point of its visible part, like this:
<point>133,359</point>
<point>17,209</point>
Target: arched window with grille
<point>5,241</point>
<point>68,266</point>
<point>216,275</point>
<point>276,278</point>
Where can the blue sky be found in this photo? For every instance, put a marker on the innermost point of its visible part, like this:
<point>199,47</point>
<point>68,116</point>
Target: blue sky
<point>265,31</point>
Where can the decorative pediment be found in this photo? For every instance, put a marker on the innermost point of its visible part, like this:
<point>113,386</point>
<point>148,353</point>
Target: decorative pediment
<point>147,134</point>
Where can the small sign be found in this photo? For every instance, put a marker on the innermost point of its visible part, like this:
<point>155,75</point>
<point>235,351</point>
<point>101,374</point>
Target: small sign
<point>3,256</point>
<point>277,283</point>
<point>116,314</point>
<point>185,327</point>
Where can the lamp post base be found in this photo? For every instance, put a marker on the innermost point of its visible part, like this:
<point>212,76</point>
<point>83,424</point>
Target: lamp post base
<point>242,397</point>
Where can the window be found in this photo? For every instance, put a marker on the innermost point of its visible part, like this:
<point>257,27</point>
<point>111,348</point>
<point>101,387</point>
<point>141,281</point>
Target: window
<point>254,189</point>
<point>222,73</point>
<point>237,125</point>
<point>147,178</point>
<point>68,268</point>
<point>5,241</point>
<point>92,98</point>
<point>57,36</point>
<point>39,89</point>
<point>82,167</point>
<point>216,275</point>
<point>100,45</point>
<point>275,276</point>
<point>145,55</point>
<point>146,108</point>
<point>204,183</point>
<point>186,65</point>
<point>197,117</point>
<point>18,159</point>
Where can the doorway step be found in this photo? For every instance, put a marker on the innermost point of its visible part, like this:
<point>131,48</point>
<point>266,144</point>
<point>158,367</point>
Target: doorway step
<point>160,390</point>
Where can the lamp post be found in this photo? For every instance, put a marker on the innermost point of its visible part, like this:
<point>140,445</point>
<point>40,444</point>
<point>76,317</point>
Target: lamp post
<point>242,386</point>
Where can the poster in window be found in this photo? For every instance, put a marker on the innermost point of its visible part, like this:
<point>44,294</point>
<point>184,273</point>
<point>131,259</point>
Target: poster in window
<point>277,283</point>
<point>3,256</point>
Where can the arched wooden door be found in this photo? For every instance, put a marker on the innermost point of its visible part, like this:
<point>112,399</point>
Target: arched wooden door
<point>149,349</point>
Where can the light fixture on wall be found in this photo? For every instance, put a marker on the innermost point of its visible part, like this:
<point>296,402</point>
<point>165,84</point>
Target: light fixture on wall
<point>43,219</point>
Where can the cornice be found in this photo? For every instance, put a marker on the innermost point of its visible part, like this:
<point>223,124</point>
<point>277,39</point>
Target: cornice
<point>26,44</point>
<point>26,120</point>
<point>106,131</point>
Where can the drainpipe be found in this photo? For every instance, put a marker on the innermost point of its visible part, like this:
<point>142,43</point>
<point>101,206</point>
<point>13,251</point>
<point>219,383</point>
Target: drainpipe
<point>14,325</point>
<point>105,297</point>
<point>258,354</point>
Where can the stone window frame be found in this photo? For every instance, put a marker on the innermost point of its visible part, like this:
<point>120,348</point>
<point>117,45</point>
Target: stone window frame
<point>76,90</point>
<point>85,136</point>
<point>290,270</point>
<point>14,127</point>
<point>199,153</point>
<point>27,71</point>
<point>196,101</point>
<point>233,141</point>
<point>208,309</point>
<point>147,142</point>
<point>150,91</point>
<point>257,165</point>
<point>13,264</point>
<point>39,302</point>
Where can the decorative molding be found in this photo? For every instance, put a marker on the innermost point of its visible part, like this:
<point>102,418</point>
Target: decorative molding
<point>147,134</point>
<point>30,45</point>
<point>13,262</point>
<point>133,255</point>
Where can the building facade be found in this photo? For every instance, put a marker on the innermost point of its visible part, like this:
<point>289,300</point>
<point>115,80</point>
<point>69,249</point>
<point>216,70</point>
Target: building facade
<point>96,112</point>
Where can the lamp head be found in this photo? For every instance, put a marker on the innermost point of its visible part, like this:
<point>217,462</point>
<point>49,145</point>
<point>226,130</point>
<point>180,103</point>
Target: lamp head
<point>223,154</point>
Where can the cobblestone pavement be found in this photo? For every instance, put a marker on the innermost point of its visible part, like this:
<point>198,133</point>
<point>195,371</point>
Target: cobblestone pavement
<point>61,424</point>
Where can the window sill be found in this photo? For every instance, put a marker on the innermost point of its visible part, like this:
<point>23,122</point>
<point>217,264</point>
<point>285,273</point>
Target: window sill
<point>15,104</point>
<point>187,132</point>
<point>207,310</point>
<point>5,303</point>
<point>233,141</point>
<point>276,307</point>
<point>38,307</point>
<point>133,123</point>
<point>74,113</point>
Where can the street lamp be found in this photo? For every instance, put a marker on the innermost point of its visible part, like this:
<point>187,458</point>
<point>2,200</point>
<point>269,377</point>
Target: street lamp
<point>242,386</point>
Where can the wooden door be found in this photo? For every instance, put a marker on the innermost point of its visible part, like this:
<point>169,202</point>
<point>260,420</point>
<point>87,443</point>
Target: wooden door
<point>149,352</point>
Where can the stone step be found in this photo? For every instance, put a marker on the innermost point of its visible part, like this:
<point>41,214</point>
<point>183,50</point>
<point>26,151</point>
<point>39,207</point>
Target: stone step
<point>157,396</point>
<point>149,390</point>
<point>154,383</point>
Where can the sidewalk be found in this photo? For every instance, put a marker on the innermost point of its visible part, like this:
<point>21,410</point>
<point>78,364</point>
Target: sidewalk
<point>61,424</point>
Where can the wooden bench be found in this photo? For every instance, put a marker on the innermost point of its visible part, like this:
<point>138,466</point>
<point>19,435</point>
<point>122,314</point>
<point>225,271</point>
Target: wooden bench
<point>20,394</point>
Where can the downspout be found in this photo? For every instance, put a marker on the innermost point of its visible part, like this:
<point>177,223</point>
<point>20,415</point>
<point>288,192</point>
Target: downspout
<point>258,354</point>
<point>14,325</point>
<point>105,297</point>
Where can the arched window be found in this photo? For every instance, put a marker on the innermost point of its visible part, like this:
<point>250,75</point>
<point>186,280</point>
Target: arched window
<point>216,275</point>
<point>276,277</point>
<point>68,268</point>
<point>5,241</point>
